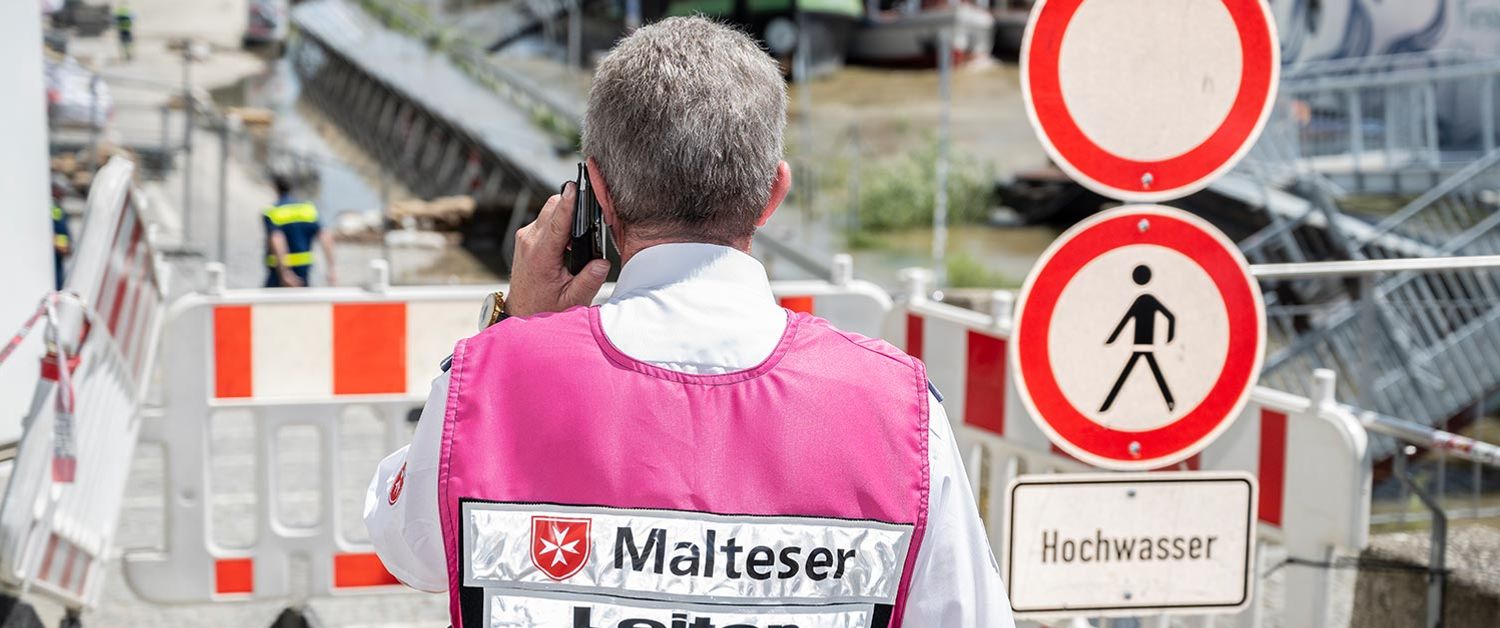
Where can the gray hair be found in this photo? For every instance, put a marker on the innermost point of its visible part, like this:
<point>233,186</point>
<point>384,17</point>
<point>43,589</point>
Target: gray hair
<point>685,120</point>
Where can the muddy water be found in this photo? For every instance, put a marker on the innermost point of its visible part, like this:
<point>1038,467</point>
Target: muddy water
<point>879,113</point>
<point>1008,253</point>
<point>859,119</point>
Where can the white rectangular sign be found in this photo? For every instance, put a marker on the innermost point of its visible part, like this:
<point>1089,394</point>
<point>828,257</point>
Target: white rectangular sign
<point>1123,544</point>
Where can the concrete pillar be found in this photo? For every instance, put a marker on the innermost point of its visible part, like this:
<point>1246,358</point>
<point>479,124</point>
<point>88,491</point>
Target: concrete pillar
<point>26,240</point>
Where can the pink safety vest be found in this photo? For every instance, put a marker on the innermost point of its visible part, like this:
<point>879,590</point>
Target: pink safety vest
<point>580,488</point>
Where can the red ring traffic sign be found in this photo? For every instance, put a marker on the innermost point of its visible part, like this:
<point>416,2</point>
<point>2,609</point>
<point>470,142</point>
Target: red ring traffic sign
<point>1144,101</point>
<point>1138,337</point>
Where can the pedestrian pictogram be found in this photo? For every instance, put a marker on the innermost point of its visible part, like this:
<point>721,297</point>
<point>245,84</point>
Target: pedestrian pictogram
<point>1138,337</point>
<point>1149,100</point>
<point>1142,314</point>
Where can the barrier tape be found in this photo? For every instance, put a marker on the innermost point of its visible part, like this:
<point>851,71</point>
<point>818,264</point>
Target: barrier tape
<point>57,366</point>
<point>20,336</point>
<point>64,454</point>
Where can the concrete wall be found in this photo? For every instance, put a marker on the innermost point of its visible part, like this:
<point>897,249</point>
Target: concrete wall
<point>1391,591</point>
<point>26,239</point>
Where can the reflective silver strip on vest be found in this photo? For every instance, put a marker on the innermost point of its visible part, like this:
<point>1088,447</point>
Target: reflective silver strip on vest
<point>544,610</point>
<point>682,556</point>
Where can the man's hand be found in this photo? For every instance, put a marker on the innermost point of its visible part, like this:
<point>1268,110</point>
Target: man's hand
<point>332,276</point>
<point>539,281</point>
<point>289,278</point>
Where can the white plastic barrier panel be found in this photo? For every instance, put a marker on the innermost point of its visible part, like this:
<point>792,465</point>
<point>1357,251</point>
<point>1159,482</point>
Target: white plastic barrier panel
<point>57,521</point>
<point>1309,455</point>
<point>301,357</point>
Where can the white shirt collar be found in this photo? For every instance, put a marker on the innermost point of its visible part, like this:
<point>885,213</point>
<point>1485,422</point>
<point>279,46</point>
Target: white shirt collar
<point>694,308</point>
<point>664,265</point>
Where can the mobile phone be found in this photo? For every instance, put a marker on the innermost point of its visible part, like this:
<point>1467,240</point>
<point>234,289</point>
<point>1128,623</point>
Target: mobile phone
<point>589,238</point>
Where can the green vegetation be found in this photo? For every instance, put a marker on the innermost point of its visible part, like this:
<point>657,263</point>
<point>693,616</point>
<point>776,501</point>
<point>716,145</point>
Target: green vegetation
<point>900,193</point>
<point>860,240</point>
<point>964,271</point>
<point>400,15</point>
<point>567,132</point>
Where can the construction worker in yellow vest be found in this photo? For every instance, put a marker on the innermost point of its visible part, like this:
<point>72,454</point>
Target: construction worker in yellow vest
<point>125,28</point>
<point>291,228</point>
<point>62,240</point>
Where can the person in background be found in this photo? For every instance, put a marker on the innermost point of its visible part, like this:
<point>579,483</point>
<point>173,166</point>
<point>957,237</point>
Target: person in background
<point>291,228</point>
<point>125,28</point>
<point>62,241</point>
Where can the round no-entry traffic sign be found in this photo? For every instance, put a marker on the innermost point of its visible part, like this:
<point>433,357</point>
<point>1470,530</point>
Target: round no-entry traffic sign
<point>1149,100</point>
<point>1138,337</point>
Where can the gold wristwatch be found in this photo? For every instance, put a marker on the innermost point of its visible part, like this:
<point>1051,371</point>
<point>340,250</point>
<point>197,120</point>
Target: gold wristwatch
<point>493,310</point>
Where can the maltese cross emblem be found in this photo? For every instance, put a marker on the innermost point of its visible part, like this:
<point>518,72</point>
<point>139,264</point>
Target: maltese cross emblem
<point>559,545</point>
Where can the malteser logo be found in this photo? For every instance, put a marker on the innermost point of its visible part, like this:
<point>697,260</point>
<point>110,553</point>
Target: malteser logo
<point>559,545</point>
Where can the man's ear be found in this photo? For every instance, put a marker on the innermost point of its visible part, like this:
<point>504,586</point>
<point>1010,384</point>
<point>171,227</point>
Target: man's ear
<point>779,189</point>
<point>601,191</point>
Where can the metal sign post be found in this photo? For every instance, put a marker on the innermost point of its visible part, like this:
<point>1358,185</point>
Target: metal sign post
<point>940,176</point>
<point>575,34</point>
<point>187,143</point>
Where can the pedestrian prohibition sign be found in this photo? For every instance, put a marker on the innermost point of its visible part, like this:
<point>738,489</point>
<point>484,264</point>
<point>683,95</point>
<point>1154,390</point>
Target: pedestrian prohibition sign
<point>1149,100</point>
<point>1138,337</point>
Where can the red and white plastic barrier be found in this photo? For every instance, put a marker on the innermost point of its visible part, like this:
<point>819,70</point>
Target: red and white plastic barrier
<point>300,358</point>
<point>1308,454</point>
<point>57,520</point>
<point>117,273</point>
<point>279,349</point>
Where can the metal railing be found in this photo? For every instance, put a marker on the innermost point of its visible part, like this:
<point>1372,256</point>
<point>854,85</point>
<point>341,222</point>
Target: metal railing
<point>1390,124</point>
<point>1461,473</point>
<point>1405,351</point>
<point>1422,345</point>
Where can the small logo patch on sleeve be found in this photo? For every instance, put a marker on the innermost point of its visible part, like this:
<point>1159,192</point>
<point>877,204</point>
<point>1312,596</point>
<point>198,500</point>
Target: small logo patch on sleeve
<point>397,484</point>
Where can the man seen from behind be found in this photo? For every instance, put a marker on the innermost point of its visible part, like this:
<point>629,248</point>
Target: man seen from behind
<point>688,453</point>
